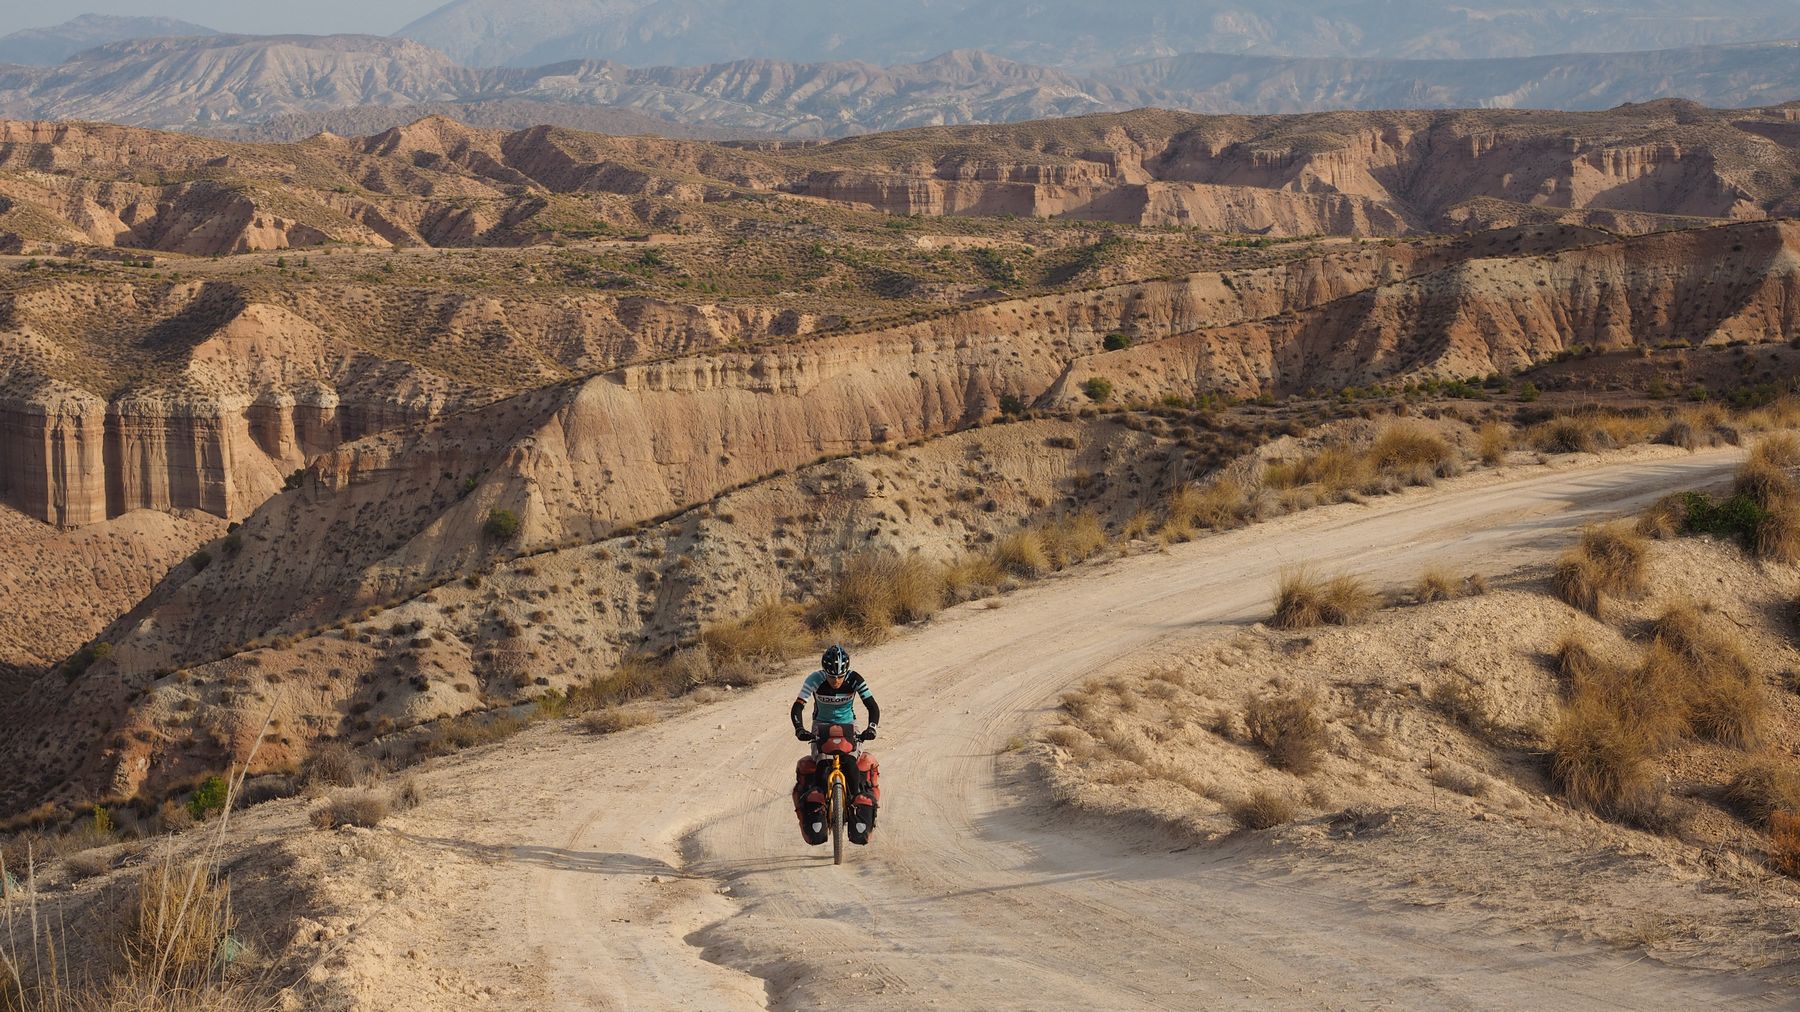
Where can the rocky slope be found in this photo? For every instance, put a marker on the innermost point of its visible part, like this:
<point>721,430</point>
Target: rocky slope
<point>206,392</point>
<point>68,585</point>
<point>372,596</point>
<point>438,183</point>
<point>387,533</point>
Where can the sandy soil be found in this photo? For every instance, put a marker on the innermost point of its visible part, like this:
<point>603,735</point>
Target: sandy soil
<point>547,873</point>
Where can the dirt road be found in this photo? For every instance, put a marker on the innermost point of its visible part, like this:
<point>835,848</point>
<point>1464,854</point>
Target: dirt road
<point>597,891</point>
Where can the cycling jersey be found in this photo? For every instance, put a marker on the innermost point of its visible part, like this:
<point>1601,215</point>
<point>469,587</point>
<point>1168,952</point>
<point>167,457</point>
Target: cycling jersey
<point>836,706</point>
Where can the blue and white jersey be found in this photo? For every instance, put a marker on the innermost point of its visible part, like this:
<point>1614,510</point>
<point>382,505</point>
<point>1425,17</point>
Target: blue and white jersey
<point>835,706</point>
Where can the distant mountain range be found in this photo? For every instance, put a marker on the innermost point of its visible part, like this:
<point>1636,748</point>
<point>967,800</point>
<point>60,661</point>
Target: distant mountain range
<point>1077,34</point>
<point>285,87</point>
<point>44,47</point>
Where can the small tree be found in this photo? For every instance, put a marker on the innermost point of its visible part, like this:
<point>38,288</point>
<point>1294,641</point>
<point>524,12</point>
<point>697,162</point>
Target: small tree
<point>1117,342</point>
<point>1099,389</point>
<point>501,525</point>
<point>1010,404</point>
<point>201,559</point>
<point>1529,392</point>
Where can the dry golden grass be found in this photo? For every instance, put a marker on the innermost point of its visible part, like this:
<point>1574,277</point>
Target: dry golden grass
<point>1665,518</point>
<point>876,590</point>
<point>972,575</point>
<point>335,764</point>
<point>1289,729</point>
<point>1492,442</point>
<point>1608,563</point>
<point>1700,669</point>
<point>1782,449</point>
<point>1072,539</point>
<point>1412,452</point>
<point>1601,761</point>
<point>1438,583</point>
<point>1022,553</point>
<point>1333,472</point>
<point>1138,526</point>
<point>614,719</point>
<point>1778,534</point>
<point>1264,810</point>
<point>1576,661</point>
<point>1590,432</point>
<point>1304,600</point>
<point>365,808</point>
<point>773,631</point>
<point>1764,785</point>
<point>1219,505</point>
<point>1784,843</point>
<point>1764,483</point>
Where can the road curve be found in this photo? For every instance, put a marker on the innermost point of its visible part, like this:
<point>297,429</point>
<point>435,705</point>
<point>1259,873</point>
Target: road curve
<point>608,892</point>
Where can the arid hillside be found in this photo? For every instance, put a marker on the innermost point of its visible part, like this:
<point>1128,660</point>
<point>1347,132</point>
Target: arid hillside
<point>440,184</point>
<point>407,366</point>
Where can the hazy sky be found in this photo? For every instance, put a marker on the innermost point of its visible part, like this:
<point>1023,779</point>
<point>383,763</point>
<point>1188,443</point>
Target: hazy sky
<point>376,17</point>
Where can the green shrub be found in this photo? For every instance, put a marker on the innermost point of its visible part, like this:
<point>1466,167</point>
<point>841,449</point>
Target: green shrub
<point>1099,389</point>
<point>501,525</point>
<point>201,559</point>
<point>1737,517</point>
<point>1529,392</point>
<point>1117,342</point>
<point>208,797</point>
<point>85,658</point>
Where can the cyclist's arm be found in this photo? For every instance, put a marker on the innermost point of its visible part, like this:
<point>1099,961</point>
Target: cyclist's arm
<point>807,688</point>
<point>868,698</point>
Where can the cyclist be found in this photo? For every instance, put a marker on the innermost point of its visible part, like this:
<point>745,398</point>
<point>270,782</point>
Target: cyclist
<point>834,690</point>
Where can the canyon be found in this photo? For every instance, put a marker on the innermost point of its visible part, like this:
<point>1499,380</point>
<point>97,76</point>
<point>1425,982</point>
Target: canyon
<point>356,352</point>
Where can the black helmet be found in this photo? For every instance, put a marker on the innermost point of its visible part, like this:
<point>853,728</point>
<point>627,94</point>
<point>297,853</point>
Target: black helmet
<point>835,662</point>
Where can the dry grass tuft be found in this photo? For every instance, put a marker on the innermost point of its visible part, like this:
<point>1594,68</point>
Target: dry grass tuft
<point>1608,563</point>
<point>614,719</point>
<point>973,575</point>
<point>1784,843</point>
<point>180,915</point>
<point>1073,539</point>
<point>1438,583</point>
<point>1782,449</point>
<point>1600,760</point>
<point>1264,810</point>
<point>1590,432</point>
<point>773,631</point>
<point>1765,483</point>
<point>1304,600</point>
<point>1665,519</point>
<point>875,590</point>
<point>366,808</point>
<point>1576,662</point>
<point>1022,553</point>
<point>1700,671</point>
<point>1289,729</point>
<point>1765,785</point>
<point>336,764</point>
<point>1492,442</point>
<point>1412,453</point>
<point>1778,534</point>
